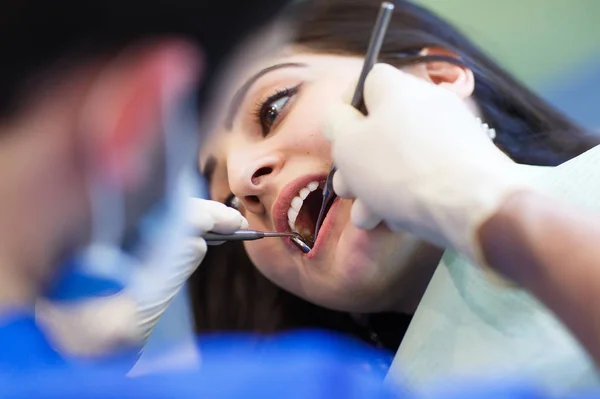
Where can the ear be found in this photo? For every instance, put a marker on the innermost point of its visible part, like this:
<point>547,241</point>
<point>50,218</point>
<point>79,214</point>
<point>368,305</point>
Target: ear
<point>453,77</point>
<point>123,113</point>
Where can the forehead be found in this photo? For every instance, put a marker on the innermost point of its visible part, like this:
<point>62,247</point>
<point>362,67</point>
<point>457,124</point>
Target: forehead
<point>288,54</point>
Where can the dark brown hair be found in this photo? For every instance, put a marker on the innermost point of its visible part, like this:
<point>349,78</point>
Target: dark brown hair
<point>228,293</point>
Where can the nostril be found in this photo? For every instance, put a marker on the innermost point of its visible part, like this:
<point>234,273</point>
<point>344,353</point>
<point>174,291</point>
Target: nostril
<point>261,172</point>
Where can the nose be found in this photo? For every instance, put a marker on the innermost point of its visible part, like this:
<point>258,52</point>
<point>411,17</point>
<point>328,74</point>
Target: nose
<point>251,178</point>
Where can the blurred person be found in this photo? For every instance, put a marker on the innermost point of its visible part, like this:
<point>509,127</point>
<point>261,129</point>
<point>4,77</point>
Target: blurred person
<point>99,109</point>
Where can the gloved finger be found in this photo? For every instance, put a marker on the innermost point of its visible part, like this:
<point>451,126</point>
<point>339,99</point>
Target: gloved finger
<point>349,92</point>
<point>199,215</point>
<point>362,217</point>
<point>340,187</point>
<point>339,119</point>
<point>388,90</point>
<point>386,87</point>
<point>206,215</point>
<point>228,220</point>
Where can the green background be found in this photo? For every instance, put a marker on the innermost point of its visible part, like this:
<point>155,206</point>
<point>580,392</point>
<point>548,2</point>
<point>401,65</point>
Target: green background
<point>538,40</point>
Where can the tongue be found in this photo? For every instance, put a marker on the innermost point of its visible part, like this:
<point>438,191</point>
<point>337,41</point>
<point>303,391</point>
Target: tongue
<point>307,217</point>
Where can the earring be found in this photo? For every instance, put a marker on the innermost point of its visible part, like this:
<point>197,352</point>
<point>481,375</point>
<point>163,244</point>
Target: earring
<point>490,132</point>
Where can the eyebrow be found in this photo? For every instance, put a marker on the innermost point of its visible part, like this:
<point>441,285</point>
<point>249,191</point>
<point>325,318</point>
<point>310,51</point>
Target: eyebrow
<point>240,94</point>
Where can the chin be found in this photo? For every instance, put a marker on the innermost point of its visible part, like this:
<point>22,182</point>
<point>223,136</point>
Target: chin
<point>362,298</point>
<point>357,257</point>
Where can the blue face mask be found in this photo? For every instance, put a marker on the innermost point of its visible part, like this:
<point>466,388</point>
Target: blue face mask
<point>107,264</point>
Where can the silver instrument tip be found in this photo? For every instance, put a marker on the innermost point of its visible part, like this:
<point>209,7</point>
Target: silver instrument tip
<point>301,244</point>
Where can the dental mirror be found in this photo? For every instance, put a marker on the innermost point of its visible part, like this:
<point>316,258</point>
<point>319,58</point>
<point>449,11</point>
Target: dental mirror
<point>301,244</point>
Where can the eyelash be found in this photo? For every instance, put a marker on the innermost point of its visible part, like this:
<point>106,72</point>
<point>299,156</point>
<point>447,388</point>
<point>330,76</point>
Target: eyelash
<point>263,107</point>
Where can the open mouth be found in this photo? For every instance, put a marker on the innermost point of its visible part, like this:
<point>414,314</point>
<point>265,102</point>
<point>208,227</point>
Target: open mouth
<point>304,211</point>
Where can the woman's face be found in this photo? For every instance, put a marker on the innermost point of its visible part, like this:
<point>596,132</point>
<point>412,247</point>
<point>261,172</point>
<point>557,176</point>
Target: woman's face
<point>269,160</point>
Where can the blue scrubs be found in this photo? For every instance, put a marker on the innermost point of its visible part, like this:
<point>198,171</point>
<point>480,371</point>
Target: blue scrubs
<point>299,365</point>
<point>23,345</point>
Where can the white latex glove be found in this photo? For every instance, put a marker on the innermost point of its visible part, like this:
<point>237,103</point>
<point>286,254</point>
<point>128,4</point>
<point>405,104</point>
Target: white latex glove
<point>101,325</point>
<point>420,161</point>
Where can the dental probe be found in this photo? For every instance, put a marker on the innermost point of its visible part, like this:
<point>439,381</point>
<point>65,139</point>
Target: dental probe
<point>246,235</point>
<point>250,235</point>
<point>379,31</point>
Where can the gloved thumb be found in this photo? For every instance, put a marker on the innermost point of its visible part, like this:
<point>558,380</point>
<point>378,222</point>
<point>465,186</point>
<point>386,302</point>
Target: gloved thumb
<point>206,215</point>
<point>349,92</point>
<point>340,187</point>
<point>386,87</point>
<point>362,217</point>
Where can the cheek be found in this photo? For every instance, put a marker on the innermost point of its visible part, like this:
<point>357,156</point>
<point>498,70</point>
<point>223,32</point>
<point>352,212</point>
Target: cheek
<point>271,259</point>
<point>361,258</point>
<point>306,135</point>
<point>305,121</point>
<point>261,254</point>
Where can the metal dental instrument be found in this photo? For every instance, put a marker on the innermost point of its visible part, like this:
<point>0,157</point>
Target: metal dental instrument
<point>250,235</point>
<point>303,246</point>
<point>379,30</point>
<point>247,235</point>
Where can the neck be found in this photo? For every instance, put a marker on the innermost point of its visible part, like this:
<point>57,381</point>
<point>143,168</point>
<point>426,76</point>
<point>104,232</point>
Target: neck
<point>21,242</point>
<point>31,242</point>
<point>34,208</point>
<point>43,200</point>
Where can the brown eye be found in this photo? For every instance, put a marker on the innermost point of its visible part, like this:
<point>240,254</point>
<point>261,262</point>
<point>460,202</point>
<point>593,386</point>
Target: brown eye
<point>270,114</point>
<point>270,110</point>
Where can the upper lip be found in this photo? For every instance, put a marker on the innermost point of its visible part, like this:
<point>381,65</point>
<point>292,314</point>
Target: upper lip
<point>285,197</point>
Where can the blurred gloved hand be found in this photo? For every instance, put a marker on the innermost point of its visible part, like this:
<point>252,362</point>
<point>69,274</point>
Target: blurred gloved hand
<point>102,324</point>
<point>420,161</point>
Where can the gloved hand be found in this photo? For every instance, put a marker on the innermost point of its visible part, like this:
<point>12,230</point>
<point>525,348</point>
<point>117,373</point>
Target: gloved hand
<point>420,161</point>
<point>101,325</point>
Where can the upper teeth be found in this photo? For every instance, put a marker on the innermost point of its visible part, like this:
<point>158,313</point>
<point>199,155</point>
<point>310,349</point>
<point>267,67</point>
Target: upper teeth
<point>297,202</point>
